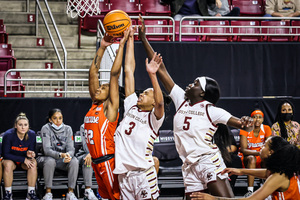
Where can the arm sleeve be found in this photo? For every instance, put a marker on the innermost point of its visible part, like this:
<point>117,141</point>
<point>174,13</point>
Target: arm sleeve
<point>270,6</point>
<point>7,143</point>
<point>268,130</point>
<point>218,115</point>
<point>32,138</point>
<point>130,101</point>
<point>177,95</point>
<point>47,146</point>
<point>70,143</point>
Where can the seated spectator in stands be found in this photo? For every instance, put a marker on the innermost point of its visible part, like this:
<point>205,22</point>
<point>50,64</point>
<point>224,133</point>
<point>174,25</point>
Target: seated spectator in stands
<point>85,161</point>
<point>251,143</point>
<point>284,125</point>
<point>18,146</point>
<point>194,8</point>
<point>282,168</point>
<point>282,8</point>
<point>58,147</point>
<point>224,139</point>
<point>224,10</point>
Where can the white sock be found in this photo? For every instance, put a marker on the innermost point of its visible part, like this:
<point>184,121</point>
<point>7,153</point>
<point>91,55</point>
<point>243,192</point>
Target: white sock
<point>88,189</point>
<point>250,189</point>
<point>30,188</point>
<point>8,189</point>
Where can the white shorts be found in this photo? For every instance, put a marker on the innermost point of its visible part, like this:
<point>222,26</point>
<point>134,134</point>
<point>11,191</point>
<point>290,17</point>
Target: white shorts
<point>139,184</point>
<point>196,176</point>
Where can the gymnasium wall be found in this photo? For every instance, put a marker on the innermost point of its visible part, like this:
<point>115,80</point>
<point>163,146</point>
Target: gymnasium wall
<point>246,72</point>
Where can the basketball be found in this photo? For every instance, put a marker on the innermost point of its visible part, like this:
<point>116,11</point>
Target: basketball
<point>116,22</point>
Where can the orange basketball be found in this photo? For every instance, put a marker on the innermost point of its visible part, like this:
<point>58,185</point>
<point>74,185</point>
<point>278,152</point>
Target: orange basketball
<point>116,22</point>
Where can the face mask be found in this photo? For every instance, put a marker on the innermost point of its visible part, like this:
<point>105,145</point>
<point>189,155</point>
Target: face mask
<point>286,116</point>
<point>57,127</point>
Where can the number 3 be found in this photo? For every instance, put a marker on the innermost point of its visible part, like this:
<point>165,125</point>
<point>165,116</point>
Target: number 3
<point>132,125</point>
<point>187,123</point>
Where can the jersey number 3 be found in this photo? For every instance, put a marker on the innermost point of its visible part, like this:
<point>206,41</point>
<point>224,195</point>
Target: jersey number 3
<point>89,134</point>
<point>131,126</point>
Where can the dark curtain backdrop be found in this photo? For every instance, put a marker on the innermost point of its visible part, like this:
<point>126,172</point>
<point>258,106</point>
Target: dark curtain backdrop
<point>74,110</point>
<point>241,69</point>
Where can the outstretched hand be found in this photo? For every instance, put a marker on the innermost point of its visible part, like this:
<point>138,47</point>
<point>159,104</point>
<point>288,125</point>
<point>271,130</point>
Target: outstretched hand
<point>200,195</point>
<point>232,171</point>
<point>247,122</point>
<point>142,29</point>
<point>154,64</point>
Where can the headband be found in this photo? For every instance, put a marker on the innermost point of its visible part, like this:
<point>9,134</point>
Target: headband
<point>202,81</point>
<point>255,112</point>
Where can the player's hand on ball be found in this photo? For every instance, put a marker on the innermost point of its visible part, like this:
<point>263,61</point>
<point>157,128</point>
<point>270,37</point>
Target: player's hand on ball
<point>126,35</point>
<point>107,40</point>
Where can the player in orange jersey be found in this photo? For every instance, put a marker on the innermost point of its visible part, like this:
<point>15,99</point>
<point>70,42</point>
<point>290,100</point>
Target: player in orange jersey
<point>101,120</point>
<point>251,144</point>
<point>283,165</point>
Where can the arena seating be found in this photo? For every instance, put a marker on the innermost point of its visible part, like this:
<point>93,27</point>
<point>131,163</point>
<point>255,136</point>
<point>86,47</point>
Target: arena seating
<point>11,85</point>
<point>281,28</point>
<point>211,29</point>
<point>188,27</point>
<point>247,30</point>
<point>7,59</point>
<point>296,30</point>
<point>131,7</point>
<point>154,7</point>
<point>249,7</point>
<point>155,27</point>
<point>3,34</point>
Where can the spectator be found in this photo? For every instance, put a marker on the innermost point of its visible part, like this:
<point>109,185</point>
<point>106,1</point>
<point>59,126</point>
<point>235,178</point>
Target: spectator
<point>58,147</point>
<point>284,125</point>
<point>18,147</point>
<point>85,162</point>
<point>182,8</point>
<point>282,8</point>
<point>251,143</point>
<point>282,168</point>
<point>224,10</point>
<point>225,141</point>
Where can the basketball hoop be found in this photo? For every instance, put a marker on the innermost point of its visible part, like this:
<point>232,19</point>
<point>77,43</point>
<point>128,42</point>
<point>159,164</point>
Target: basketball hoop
<point>83,7</point>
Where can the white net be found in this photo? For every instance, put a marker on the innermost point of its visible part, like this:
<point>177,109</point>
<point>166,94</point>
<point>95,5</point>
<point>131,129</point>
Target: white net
<point>82,8</point>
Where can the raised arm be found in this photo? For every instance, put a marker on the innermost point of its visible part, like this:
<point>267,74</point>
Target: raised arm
<point>162,72</point>
<point>152,68</point>
<point>245,123</point>
<point>95,66</point>
<point>113,100</point>
<point>129,65</point>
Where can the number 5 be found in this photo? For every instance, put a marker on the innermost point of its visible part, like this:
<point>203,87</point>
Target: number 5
<point>186,125</point>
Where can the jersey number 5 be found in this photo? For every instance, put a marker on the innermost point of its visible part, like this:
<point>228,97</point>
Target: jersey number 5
<point>186,122</point>
<point>89,134</point>
<point>132,125</point>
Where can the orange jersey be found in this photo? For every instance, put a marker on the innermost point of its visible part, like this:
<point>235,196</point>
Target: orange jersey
<point>292,193</point>
<point>99,132</point>
<point>256,143</point>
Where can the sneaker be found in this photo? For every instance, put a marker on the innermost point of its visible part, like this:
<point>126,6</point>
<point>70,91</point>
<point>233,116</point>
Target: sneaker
<point>248,194</point>
<point>89,195</point>
<point>7,195</point>
<point>71,196</point>
<point>48,196</point>
<point>32,196</point>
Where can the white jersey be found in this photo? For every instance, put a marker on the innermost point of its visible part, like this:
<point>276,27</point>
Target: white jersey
<point>134,138</point>
<point>194,126</point>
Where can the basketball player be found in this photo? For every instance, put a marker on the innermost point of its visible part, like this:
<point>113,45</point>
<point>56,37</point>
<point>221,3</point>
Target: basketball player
<point>194,126</point>
<point>282,168</point>
<point>143,116</point>
<point>101,120</point>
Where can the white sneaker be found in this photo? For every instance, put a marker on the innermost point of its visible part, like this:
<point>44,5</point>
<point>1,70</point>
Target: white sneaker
<point>71,196</point>
<point>48,196</point>
<point>89,195</point>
